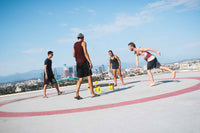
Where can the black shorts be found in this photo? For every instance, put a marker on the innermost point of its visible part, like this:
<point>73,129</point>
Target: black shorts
<point>153,64</point>
<point>51,79</point>
<point>83,69</point>
<point>115,66</point>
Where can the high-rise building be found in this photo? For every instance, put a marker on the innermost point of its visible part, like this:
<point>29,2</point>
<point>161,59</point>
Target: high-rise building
<point>100,69</point>
<point>103,68</point>
<point>96,70</point>
<point>70,71</point>
<point>57,76</point>
<point>66,71</point>
<point>75,72</point>
<point>55,73</point>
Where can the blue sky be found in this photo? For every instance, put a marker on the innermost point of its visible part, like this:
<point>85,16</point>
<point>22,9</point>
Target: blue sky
<point>29,28</point>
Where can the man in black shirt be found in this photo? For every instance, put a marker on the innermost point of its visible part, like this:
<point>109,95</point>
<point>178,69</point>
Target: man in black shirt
<point>48,75</point>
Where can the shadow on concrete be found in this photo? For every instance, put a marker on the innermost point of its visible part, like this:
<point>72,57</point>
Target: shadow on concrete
<point>167,81</point>
<point>66,93</point>
<point>132,82</point>
<point>110,92</point>
<point>117,90</point>
<point>103,93</point>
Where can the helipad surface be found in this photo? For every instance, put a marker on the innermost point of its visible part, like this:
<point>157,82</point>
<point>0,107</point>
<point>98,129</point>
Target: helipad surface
<point>172,106</point>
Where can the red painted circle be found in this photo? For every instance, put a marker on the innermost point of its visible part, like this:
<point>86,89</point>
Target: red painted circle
<point>98,107</point>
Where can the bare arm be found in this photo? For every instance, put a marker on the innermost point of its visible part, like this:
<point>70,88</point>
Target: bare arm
<point>150,49</point>
<point>118,61</point>
<point>136,61</point>
<point>45,71</point>
<point>73,52</point>
<point>109,64</point>
<point>86,53</point>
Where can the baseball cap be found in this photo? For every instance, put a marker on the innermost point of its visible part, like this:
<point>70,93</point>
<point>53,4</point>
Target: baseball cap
<point>80,35</point>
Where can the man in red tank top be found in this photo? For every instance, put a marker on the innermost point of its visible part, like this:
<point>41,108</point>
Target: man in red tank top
<point>152,61</point>
<point>83,65</point>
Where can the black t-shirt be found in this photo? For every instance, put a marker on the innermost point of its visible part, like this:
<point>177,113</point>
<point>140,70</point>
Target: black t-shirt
<point>48,62</point>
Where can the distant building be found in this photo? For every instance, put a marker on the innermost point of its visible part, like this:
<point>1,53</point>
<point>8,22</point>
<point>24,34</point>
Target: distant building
<point>39,80</point>
<point>100,69</point>
<point>75,72</point>
<point>65,72</point>
<point>195,66</point>
<point>176,66</point>
<point>184,66</point>
<point>18,89</point>
<point>70,71</point>
<point>56,73</point>
<point>103,68</point>
<point>96,71</point>
<point>130,70</point>
<point>145,68</point>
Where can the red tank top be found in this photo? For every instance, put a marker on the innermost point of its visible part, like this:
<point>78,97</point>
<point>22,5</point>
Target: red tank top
<point>79,53</point>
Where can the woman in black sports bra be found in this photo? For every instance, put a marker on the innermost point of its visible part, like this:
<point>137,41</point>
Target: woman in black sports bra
<point>116,66</point>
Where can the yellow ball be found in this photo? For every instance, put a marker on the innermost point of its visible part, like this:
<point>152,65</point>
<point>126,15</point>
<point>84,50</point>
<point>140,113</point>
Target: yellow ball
<point>113,87</point>
<point>109,87</point>
<point>99,89</point>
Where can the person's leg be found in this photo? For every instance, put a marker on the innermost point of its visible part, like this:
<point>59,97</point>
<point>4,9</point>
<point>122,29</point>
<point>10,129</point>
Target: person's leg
<point>115,77</point>
<point>78,86</point>
<point>57,88</point>
<point>167,69</point>
<point>151,78</point>
<point>90,83</point>
<point>91,87</point>
<point>120,75</point>
<point>44,89</point>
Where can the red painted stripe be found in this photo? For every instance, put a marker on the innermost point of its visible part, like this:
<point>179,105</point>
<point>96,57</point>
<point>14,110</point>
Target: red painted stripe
<point>99,107</point>
<point>21,99</point>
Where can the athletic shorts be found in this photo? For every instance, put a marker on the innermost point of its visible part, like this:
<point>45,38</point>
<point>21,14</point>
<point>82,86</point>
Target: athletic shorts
<point>52,80</point>
<point>153,64</point>
<point>83,69</point>
<point>115,67</point>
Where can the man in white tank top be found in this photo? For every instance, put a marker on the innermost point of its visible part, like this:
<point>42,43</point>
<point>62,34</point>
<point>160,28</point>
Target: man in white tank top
<point>152,61</point>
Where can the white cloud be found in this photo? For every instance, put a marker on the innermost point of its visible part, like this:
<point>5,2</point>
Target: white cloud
<point>63,24</point>
<point>71,38</point>
<point>91,11</point>
<point>163,5</point>
<point>147,15</point>
<point>82,9</point>
<point>74,11</point>
<point>121,22</point>
<point>68,40</point>
<point>76,30</point>
<point>34,51</point>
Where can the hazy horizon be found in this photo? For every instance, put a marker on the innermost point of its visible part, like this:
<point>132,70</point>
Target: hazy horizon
<point>132,64</point>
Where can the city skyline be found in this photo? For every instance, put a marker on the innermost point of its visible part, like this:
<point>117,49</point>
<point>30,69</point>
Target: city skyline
<point>100,71</point>
<point>30,28</point>
<point>71,72</point>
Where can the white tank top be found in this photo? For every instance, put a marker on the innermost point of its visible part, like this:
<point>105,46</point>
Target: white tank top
<point>144,55</point>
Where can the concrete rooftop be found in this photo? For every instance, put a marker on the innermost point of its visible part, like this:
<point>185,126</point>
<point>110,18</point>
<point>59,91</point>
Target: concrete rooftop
<point>172,106</point>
